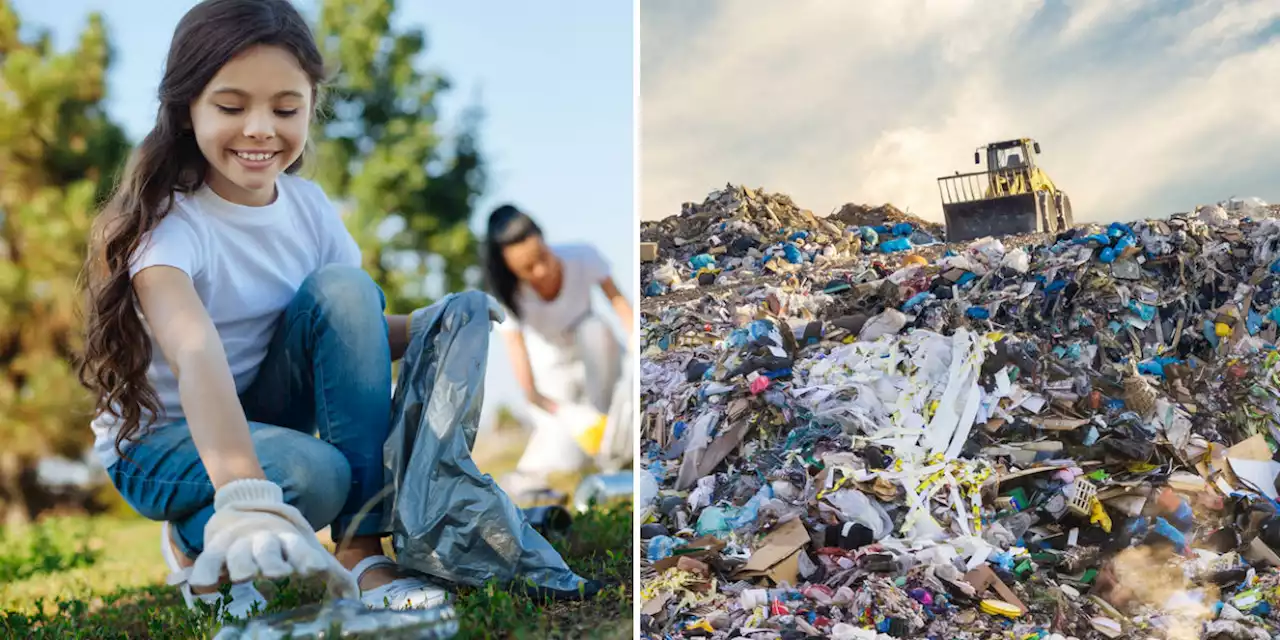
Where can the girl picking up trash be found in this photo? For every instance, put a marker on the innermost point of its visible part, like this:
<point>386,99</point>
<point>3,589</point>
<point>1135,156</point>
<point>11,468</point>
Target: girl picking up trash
<point>229,322</point>
<point>565,356</point>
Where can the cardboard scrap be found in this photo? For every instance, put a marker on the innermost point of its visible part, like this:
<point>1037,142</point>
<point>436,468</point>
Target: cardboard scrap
<point>778,556</point>
<point>1251,462</point>
<point>1254,448</point>
<point>1259,552</point>
<point>648,251</point>
<point>698,548</point>
<point>657,604</point>
<point>983,578</point>
<point>726,442</point>
<point>1060,424</point>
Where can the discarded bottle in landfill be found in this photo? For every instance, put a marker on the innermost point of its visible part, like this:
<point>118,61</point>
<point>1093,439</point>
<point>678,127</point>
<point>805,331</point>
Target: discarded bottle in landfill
<point>347,619</point>
<point>752,598</point>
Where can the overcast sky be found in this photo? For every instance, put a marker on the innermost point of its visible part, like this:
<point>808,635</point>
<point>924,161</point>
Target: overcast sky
<point>1142,107</point>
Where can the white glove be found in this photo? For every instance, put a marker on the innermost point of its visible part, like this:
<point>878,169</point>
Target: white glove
<point>254,533</point>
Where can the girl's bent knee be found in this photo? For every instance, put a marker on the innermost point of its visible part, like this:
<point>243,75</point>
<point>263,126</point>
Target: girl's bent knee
<point>316,479</point>
<point>339,286</point>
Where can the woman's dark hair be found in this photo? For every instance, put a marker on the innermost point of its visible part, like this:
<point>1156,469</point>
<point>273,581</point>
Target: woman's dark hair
<point>507,226</point>
<point>117,349</point>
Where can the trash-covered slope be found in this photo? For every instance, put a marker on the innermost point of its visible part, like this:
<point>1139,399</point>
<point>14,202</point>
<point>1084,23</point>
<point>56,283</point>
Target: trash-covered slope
<point>854,430</point>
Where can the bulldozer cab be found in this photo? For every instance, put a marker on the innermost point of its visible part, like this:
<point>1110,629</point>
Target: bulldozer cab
<point>1013,195</point>
<point>1011,154</point>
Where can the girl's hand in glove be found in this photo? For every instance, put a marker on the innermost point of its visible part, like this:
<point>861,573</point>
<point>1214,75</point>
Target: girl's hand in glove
<point>254,533</point>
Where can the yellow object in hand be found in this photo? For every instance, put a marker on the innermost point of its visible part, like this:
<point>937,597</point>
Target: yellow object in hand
<point>591,437</point>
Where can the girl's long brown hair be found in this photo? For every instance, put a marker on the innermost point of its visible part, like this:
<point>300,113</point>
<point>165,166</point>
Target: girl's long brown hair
<point>117,349</point>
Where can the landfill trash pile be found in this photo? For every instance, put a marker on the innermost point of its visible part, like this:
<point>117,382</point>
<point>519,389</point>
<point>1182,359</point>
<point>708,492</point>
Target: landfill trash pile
<point>739,234</point>
<point>857,215</point>
<point>1052,437</point>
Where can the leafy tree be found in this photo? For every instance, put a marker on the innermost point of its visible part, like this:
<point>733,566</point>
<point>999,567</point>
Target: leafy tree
<point>59,154</point>
<point>380,154</point>
<point>383,155</point>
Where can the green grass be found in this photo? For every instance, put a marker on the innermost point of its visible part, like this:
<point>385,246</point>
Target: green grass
<point>103,578</point>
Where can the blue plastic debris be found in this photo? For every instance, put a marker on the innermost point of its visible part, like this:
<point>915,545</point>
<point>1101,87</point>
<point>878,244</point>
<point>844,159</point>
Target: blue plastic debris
<point>702,261</point>
<point>1119,229</point>
<point>895,245</point>
<point>1210,334</point>
<point>1096,239</point>
<point>1169,532</point>
<point>1155,366</point>
<point>1143,310</point>
<point>663,547</point>
<point>792,253</point>
<point>1091,437</point>
<point>903,229</point>
<point>678,428</point>
<point>977,313</point>
<point>915,301</point>
<point>1274,315</point>
<point>760,328</point>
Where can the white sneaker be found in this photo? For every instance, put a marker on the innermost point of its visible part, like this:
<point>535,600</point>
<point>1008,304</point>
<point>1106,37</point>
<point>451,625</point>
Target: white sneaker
<point>413,592</point>
<point>243,595</point>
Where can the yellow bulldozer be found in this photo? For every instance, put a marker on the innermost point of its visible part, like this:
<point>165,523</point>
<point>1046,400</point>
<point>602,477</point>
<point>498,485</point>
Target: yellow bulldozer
<point>1013,195</point>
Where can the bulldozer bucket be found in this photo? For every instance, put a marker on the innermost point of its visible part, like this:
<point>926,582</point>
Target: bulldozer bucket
<point>1008,215</point>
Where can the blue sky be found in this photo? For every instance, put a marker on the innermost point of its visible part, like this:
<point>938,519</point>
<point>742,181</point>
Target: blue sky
<point>554,79</point>
<point>1142,107</point>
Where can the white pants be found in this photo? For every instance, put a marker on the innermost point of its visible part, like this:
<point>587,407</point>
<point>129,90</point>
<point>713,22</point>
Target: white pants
<point>584,373</point>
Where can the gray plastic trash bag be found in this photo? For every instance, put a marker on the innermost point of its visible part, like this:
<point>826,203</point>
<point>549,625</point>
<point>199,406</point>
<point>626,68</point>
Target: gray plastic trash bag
<point>448,519</point>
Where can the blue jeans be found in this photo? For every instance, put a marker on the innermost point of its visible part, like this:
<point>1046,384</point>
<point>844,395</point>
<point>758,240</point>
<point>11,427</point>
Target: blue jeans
<point>327,372</point>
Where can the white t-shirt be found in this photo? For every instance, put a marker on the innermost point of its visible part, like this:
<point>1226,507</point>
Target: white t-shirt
<point>246,263</point>
<point>553,320</point>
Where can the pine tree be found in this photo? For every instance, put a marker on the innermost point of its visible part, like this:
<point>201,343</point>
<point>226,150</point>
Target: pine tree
<point>383,156</point>
<point>59,154</point>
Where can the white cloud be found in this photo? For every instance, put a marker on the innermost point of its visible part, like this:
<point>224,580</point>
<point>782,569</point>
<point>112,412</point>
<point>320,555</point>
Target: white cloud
<point>872,101</point>
<point>1090,16</point>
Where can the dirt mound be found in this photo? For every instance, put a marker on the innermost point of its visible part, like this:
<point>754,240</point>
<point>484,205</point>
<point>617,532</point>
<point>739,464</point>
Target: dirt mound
<point>862,215</point>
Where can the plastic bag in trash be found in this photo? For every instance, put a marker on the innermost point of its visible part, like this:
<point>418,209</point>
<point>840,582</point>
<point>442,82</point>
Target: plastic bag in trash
<point>448,519</point>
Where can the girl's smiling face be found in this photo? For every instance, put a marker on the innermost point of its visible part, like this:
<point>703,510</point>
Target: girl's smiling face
<point>251,123</point>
